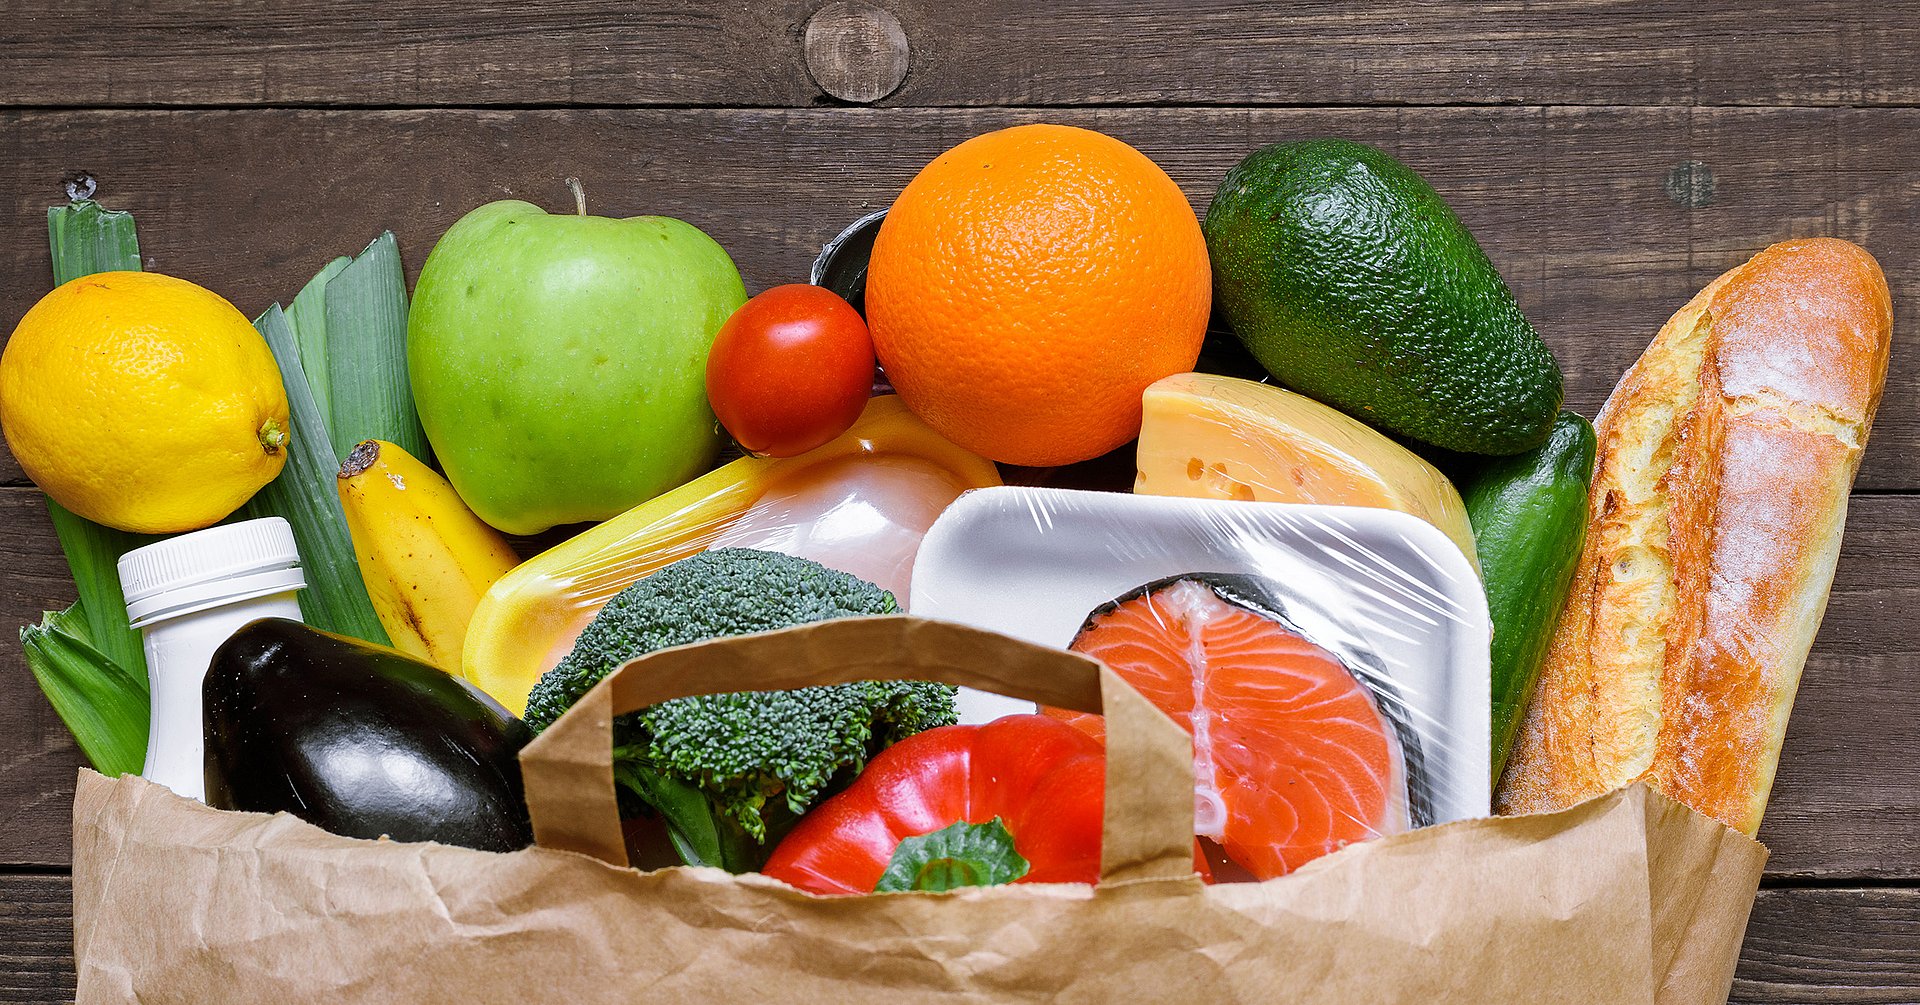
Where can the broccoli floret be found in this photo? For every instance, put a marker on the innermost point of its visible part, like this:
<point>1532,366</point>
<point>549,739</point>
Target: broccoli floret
<point>738,751</point>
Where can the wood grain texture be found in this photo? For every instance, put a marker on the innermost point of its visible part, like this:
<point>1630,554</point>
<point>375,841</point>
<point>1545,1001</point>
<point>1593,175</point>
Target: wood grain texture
<point>1573,205</point>
<point>37,755</point>
<point>856,52</point>
<point>36,939</point>
<point>1831,946</point>
<point>966,52</point>
<point>1803,946</point>
<point>1846,804</point>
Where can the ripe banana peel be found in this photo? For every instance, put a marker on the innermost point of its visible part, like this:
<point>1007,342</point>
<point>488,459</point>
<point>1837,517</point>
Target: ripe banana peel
<point>425,557</point>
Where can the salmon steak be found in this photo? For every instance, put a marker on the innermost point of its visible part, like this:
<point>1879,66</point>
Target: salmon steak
<point>1292,755</point>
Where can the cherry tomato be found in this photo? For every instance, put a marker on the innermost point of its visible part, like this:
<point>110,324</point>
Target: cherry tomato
<point>790,370</point>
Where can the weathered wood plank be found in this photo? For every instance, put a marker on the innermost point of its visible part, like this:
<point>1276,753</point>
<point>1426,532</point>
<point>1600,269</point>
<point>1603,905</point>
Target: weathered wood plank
<point>37,756</point>
<point>1846,805</point>
<point>1831,946</point>
<point>36,939</point>
<point>1803,946</point>
<point>1846,802</point>
<point>962,52</point>
<point>367,52</point>
<point>1605,220</point>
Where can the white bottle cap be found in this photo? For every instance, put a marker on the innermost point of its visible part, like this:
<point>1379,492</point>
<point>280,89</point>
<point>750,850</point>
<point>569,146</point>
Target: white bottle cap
<point>210,568</point>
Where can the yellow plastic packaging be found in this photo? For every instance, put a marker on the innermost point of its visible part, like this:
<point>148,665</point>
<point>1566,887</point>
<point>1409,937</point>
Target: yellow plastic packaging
<point>860,503</point>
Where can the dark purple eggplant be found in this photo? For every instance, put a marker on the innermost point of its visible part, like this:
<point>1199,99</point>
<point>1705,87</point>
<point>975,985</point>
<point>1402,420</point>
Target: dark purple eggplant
<point>360,740</point>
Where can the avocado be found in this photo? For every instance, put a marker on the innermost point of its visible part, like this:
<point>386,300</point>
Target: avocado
<point>1352,281</point>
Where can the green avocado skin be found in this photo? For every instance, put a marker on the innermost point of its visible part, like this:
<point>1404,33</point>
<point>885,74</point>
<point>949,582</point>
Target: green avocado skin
<point>1352,281</point>
<point>559,362</point>
<point>1529,516</point>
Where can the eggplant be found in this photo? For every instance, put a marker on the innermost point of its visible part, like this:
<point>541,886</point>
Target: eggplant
<point>360,740</point>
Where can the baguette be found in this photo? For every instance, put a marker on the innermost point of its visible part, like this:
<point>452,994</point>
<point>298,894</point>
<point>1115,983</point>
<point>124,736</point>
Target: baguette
<point>1726,456</point>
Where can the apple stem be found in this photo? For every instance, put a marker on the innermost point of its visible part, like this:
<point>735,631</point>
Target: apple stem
<point>579,196</point>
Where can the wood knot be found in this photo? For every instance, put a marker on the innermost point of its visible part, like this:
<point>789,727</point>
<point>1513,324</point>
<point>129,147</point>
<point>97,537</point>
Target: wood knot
<point>856,52</point>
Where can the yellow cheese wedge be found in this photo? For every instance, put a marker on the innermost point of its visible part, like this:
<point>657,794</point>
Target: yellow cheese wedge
<point>1212,437</point>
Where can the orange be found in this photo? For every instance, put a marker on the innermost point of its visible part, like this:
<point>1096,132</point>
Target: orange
<point>1029,284</point>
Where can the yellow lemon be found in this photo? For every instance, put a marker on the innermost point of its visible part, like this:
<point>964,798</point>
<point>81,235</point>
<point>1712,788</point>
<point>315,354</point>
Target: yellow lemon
<point>143,402</point>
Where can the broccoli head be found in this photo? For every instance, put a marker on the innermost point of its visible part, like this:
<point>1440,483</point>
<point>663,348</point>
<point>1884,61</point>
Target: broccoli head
<point>729,770</point>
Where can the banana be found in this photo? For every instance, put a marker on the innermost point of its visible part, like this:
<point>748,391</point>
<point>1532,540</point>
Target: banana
<point>425,557</point>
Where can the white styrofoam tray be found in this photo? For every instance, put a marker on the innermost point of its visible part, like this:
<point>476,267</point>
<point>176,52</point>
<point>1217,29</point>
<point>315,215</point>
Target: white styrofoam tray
<point>1387,592</point>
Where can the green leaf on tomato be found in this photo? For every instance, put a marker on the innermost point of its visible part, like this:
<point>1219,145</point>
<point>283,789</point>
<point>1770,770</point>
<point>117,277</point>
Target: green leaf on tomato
<point>954,856</point>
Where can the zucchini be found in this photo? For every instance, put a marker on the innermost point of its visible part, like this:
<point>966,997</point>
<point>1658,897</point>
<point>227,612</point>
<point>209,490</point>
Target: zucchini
<point>1529,516</point>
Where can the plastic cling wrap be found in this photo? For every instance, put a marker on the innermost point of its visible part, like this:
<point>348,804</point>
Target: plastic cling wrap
<point>1329,661</point>
<point>858,504</point>
<point>1206,436</point>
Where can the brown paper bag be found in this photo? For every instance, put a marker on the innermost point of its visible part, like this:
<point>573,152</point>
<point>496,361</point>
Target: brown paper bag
<point>1628,898</point>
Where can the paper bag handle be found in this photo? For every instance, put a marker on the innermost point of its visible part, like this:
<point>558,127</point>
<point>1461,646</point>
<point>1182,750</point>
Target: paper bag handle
<point>1148,828</point>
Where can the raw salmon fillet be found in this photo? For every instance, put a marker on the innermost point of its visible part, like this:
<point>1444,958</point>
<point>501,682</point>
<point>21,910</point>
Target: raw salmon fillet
<point>1292,757</point>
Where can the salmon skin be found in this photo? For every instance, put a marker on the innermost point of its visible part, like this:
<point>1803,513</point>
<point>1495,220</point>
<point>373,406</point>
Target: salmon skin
<point>1295,753</point>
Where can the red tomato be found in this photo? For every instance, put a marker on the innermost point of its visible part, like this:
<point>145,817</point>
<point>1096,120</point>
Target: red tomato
<point>790,370</point>
<point>1042,778</point>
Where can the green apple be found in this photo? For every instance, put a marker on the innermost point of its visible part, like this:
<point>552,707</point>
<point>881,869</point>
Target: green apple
<point>559,362</point>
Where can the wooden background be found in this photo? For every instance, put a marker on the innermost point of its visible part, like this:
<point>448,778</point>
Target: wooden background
<point>1612,158</point>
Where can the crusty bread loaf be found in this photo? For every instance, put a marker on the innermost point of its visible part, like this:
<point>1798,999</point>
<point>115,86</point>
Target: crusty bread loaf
<point>1726,457</point>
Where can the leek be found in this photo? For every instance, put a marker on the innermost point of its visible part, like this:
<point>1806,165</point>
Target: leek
<point>93,556</point>
<point>366,354</point>
<point>308,316</point>
<point>87,659</point>
<point>103,705</point>
<point>86,238</point>
<point>306,495</point>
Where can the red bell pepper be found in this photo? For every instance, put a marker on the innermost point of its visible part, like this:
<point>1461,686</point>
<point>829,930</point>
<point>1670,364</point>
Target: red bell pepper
<point>1041,780</point>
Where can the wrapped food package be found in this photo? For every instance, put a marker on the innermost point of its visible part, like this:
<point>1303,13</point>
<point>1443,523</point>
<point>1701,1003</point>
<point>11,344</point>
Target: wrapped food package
<point>1330,662</point>
<point>859,504</point>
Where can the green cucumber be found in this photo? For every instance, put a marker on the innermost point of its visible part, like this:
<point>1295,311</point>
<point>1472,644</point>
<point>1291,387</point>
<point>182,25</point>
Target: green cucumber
<point>1529,516</point>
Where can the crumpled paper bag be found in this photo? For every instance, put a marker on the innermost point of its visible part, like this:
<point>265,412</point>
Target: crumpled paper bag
<point>1627,898</point>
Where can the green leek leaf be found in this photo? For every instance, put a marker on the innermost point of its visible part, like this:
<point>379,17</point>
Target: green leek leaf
<point>104,706</point>
<point>366,336</point>
<point>93,555</point>
<point>86,238</point>
<point>308,316</point>
<point>306,494</point>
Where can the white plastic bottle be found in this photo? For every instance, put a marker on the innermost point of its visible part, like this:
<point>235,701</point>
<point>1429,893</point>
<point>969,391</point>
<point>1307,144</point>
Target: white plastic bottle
<point>187,595</point>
